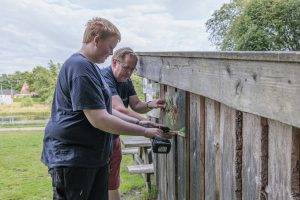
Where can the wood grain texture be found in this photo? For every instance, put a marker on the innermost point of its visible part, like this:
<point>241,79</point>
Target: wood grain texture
<point>296,164</point>
<point>267,88</point>
<point>227,150</point>
<point>280,151</point>
<point>197,148</point>
<point>212,149</point>
<point>252,137</point>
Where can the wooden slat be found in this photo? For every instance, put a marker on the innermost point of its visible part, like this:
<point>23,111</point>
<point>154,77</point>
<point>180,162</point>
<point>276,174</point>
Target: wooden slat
<point>182,161</point>
<point>130,151</point>
<point>181,164</point>
<point>162,189</point>
<point>252,136</point>
<point>135,141</point>
<point>232,55</point>
<point>171,171</point>
<point>141,169</point>
<point>212,151</point>
<point>227,150</point>
<point>197,137</point>
<point>269,89</point>
<point>296,164</point>
<point>280,151</point>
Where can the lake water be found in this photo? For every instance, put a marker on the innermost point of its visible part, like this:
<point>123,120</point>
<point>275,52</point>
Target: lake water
<point>28,119</point>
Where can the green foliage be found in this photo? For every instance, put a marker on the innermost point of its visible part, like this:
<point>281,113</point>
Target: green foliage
<point>26,102</point>
<point>256,25</point>
<point>42,81</point>
<point>138,85</point>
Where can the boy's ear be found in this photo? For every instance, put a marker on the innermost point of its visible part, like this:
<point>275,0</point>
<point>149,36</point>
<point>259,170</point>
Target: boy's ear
<point>97,40</point>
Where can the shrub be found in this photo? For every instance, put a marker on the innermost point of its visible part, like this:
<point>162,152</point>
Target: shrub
<point>26,102</point>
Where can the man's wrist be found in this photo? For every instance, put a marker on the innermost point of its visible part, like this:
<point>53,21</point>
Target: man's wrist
<point>147,104</point>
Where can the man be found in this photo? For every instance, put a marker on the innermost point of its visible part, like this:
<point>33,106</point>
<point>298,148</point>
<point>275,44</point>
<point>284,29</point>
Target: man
<point>117,76</point>
<point>77,141</point>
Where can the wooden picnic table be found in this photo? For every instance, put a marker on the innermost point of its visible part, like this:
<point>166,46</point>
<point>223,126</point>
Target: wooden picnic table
<point>143,144</point>
<point>135,141</point>
<point>143,162</point>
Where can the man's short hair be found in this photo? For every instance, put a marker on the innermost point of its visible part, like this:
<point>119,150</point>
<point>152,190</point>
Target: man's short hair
<point>102,27</point>
<point>122,52</point>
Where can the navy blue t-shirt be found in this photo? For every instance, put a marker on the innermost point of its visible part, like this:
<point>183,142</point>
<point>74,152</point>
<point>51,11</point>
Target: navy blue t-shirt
<point>70,140</point>
<point>123,89</point>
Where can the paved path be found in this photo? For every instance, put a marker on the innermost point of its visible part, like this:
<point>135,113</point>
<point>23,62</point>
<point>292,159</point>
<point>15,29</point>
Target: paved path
<point>22,129</point>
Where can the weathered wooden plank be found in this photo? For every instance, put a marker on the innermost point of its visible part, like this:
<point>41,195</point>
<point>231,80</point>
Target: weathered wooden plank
<point>171,157</point>
<point>212,151</point>
<point>252,136</point>
<point>280,152</point>
<point>171,171</point>
<point>269,89</point>
<point>197,151</point>
<point>131,151</point>
<point>182,167</point>
<point>161,158</point>
<point>227,151</point>
<point>296,164</point>
<point>162,184</point>
<point>140,169</point>
<point>232,55</point>
<point>135,141</point>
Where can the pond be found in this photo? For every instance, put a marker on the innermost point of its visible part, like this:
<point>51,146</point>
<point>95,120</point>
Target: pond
<point>23,119</point>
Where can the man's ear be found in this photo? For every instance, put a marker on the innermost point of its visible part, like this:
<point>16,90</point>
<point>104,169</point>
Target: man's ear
<point>113,62</point>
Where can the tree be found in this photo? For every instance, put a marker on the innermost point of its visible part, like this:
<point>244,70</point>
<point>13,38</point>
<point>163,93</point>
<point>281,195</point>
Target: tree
<point>44,81</point>
<point>256,25</point>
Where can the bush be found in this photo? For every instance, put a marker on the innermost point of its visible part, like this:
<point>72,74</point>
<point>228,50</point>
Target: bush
<point>26,102</point>
<point>138,86</point>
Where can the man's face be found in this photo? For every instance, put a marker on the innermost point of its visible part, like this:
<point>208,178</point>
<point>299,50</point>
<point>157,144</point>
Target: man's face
<point>122,70</point>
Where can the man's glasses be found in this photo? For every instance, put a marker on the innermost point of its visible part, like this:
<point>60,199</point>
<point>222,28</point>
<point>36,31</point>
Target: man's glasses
<point>126,67</point>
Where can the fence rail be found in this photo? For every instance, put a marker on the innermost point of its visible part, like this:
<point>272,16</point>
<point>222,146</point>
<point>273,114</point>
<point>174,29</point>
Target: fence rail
<point>241,118</point>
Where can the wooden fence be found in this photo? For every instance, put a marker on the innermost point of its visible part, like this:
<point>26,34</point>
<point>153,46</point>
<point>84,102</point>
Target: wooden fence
<point>239,118</point>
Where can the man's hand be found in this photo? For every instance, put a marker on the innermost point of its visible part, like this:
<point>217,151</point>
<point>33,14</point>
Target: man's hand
<point>157,132</point>
<point>156,103</point>
<point>147,122</point>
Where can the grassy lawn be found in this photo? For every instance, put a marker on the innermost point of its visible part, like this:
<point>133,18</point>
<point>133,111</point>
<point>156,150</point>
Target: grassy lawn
<point>23,176</point>
<point>18,109</point>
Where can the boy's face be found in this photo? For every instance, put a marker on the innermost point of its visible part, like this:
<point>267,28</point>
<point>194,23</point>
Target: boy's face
<point>105,48</point>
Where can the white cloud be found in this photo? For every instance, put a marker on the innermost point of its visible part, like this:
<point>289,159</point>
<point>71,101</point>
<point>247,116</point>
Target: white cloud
<point>34,31</point>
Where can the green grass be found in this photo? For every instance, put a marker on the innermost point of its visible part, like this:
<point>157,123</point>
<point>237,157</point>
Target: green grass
<point>23,176</point>
<point>21,125</point>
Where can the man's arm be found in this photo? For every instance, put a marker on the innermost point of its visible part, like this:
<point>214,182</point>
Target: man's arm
<point>101,119</point>
<point>117,104</point>
<point>142,107</point>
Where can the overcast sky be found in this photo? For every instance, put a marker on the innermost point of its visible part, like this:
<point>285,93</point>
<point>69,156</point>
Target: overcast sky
<point>34,31</point>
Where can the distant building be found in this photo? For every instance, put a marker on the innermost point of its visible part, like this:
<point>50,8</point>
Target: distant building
<point>25,92</point>
<point>6,96</point>
<point>25,88</point>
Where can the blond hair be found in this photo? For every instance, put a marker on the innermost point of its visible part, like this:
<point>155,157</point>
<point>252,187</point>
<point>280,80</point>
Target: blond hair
<point>101,27</point>
<point>120,54</point>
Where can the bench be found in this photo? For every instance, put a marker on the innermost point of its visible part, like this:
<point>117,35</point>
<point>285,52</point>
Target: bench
<point>132,151</point>
<point>145,169</point>
<point>141,169</point>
